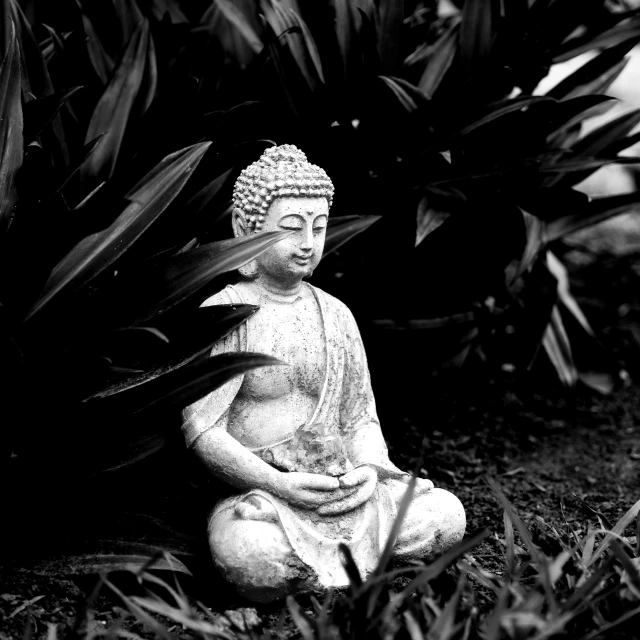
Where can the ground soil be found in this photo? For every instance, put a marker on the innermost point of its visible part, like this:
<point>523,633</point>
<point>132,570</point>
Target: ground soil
<point>559,456</point>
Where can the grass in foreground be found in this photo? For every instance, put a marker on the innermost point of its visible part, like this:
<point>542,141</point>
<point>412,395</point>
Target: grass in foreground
<point>589,590</point>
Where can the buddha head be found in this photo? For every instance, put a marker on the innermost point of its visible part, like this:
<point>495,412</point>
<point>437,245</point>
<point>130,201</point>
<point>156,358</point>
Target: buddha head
<point>283,191</point>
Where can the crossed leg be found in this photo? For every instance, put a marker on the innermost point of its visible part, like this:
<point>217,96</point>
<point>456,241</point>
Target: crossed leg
<point>253,553</point>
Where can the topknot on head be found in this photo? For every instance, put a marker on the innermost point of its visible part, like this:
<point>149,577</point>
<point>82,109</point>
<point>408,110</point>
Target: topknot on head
<point>281,172</point>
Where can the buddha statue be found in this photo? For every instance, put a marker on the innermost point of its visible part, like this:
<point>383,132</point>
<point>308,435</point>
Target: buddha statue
<point>300,443</point>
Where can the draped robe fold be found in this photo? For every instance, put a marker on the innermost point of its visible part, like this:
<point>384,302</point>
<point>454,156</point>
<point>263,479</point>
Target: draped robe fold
<point>347,408</point>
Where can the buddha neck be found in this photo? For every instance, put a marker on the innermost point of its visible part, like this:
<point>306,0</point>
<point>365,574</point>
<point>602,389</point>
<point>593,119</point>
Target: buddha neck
<point>278,291</point>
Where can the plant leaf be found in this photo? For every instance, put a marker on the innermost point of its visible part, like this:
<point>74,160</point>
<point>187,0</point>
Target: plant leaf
<point>100,59</point>
<point>300,619</point>
<point>442,55</point>
<point>595,211</point>
<point>559,271</point>
<point>186,385</point>
<point>106,562</point>
<point>576,46</point>
<point>536,555</point>
<point>149,199</point>
<point>618,530</point>
<point>558,348</point>
<point>342,229</point>
<point>599,140</point>
<point>234,15</point>
<point>167,282</point>
<point>596,74</point>
<point>35,75</point>
<point>502,108</point>
<point>162,7</point>
<point>573,111</point>
<point>40,112</point>
<point>404,98</point>
<point>11,142</point>
<point>477,32</point>
<point>428,220</point>
<point>346,32</point>
<point>111,115</point>
<point>208,325</point>
<point>391,14</point>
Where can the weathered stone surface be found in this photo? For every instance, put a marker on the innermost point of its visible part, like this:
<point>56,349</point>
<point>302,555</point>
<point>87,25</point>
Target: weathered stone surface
<point>301,442</point>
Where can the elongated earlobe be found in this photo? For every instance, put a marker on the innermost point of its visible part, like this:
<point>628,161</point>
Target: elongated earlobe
<point>238,223</point>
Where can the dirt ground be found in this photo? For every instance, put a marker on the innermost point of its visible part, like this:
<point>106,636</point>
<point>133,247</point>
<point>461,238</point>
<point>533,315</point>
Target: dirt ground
<point>559,457</point>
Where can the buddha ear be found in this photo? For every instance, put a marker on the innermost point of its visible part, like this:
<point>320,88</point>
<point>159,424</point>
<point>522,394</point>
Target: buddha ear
<point>238,223</point>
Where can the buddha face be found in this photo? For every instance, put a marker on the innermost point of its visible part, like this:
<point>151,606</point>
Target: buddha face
<point>297,255</point>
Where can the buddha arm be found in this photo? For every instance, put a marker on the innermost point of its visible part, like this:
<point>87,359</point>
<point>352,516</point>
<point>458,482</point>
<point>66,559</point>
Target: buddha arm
<point>232,462</point>
<point>360,425</point>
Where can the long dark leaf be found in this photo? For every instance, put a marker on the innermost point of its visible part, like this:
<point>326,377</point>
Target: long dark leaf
<point>477,32</point>
<point>190,383</point>
<point>130,17</point>
<point>390,33</point>
<point>100,59</point>
<point>597,210</point>
<point>39,113</point>
<point>10,130</point>
<point>98,563</point>
<point>233,14</point>
<point>616,146</point>
<point>342,229</point>
<point>161,8</point>
<point>501,109</point>
<point>345,31</point>
<point>440,60</point>
<point>576,46</point>
<point>571,112</point>
<point>35,75</point>
<point>403,97</point>
<point>168,282</point>
<point>111,115</point>
<point>599,140</point>
<point>557,345</point>
<point>592,76</point>
<point>208,325</point>
<point>94,254</point>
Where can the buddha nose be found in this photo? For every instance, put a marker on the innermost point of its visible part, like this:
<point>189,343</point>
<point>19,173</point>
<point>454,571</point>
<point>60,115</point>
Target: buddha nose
<point>307,239</point>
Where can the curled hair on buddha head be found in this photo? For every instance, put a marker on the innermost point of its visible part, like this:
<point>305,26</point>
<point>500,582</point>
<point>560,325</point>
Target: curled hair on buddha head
<point>281,172</point>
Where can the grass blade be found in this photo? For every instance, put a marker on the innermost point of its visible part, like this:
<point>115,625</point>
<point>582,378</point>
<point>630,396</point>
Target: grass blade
<point>536,555</point>
<point>618,529</point>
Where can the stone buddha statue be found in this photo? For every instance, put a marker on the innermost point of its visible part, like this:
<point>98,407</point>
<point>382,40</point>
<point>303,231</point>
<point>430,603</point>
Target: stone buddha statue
<point>300,443</point>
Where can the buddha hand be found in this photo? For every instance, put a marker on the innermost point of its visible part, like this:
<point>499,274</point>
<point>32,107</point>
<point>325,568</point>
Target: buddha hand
<point>307,490</point>
<point>360,483</point>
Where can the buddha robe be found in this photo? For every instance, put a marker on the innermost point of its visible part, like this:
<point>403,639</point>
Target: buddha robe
<point>347,410</point>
